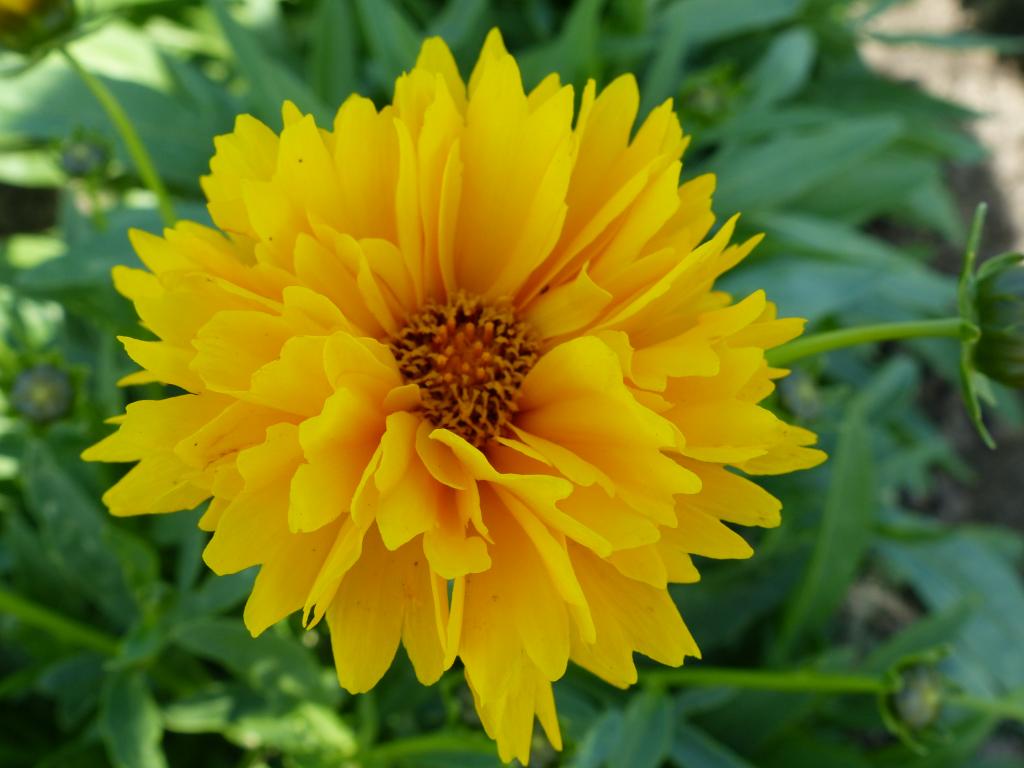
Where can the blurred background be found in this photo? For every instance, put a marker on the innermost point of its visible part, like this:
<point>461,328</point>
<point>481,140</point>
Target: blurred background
<point>859,136</point>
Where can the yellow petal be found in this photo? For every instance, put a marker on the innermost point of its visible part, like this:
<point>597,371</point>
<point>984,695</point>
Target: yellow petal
<point>161,482</point>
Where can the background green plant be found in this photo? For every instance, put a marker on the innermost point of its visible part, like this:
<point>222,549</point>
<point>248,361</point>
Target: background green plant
<point>117,647</point>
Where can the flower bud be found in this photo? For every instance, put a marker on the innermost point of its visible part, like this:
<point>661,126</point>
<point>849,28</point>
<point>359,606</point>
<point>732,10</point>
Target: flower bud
<point>999,352</point>
<point>919,700</point>
<point>84,157</point>
<point>27,24</point>
<point>42,394</point>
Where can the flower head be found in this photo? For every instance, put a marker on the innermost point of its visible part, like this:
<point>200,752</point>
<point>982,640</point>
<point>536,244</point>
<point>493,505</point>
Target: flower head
<point>42,394</point>
<point>457,377</point>
<point>999,352</point>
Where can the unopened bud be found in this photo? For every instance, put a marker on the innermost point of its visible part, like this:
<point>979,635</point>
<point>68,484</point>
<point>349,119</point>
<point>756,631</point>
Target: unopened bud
<point>919,700</point>
<point>999,353</point>
<point>42,394</point>
<point>84,157</point>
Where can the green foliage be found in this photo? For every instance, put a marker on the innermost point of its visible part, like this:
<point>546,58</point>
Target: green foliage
<point>147,662</point>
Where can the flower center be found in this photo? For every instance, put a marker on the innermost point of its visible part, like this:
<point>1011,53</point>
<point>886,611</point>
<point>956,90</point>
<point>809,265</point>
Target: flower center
<point>469,359</point>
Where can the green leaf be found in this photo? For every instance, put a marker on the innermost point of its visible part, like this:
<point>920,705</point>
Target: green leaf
<point>74,683</point>
<point>932,631</point>
<point>685,24</point>
<point>1005,44</point>
<point>271,663</point>
<point>844,534</point>
<point>31,168</point>
<point>333,58</point>
<point>772,173</point>
<point>48,103</point>
<point>461,23</point>
<point>600,739</point>
<point>647,731</point>
<point>393,39</point>
<point>76,530</point>
<point>270,82</point>
<point>307,728</point>
<point>785,67</point>
<point>693,748</point>
<point>816,268</point>
<point>574,54</point>
<point>129,722</point>
<point>964,568</point>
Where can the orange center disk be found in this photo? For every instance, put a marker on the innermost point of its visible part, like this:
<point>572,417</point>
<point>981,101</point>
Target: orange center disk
<point>469,360</point>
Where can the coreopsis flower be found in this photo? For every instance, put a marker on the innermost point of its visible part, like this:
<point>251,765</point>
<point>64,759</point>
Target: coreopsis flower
<point>456,376</point>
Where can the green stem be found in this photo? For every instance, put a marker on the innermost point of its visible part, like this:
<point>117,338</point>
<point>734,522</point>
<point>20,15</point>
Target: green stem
<point>817,343</point>
<point>61,627</point>
<point>130,137</point>
<point>1002,708</point>
<point>790,680</point>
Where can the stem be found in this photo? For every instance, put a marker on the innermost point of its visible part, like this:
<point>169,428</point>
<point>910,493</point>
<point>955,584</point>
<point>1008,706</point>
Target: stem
<point>817,343</point>
<point>1003,708</point>
<point>61,627</point>
<point>366,708</point>
<point>795,680</point>
<point>130,137</point>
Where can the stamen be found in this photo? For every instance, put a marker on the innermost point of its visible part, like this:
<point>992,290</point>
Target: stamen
<point>469,359</point>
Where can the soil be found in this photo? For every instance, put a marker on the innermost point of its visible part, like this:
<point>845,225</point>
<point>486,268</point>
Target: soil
<point>26,210</point>
<point>994,88</point>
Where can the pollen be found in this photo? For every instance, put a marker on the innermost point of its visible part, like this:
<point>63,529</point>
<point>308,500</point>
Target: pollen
<point>469,358</point>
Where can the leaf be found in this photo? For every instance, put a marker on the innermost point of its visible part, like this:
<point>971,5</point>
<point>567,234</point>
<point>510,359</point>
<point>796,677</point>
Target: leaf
<point>392,38</point>
<point>74,683</point>
<point>692,748</point>
<point>307,728</point>
<point>772,173</point>
<point>333,62</point>
<point>844,534</point>
<point>600,739</point>
<point>48,103</point>
<point>460,23</point>
<point>785,67</point>
<point>76,530</point>
<point>646,734</point>
<point>848,270</point>
<point>86,262</point>
<point>270,663</point>
<point>686,24</point>
<point>1008,45</point>
<point>270,81</point>
<point>809,750</point>
<point>963,568</point>
<point>35,168</point>
<point>574,54</point>
<point>129,722</point>
<point>933,631</point>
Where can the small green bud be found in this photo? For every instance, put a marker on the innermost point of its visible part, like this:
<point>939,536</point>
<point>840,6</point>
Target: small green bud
<point>83,157</point>
<point>918,702</point>
<point>999,352</point>
<point>42,394</point>
<point>28,24</point>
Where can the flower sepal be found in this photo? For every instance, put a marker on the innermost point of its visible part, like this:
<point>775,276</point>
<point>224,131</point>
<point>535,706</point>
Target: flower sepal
<point>913,704</point>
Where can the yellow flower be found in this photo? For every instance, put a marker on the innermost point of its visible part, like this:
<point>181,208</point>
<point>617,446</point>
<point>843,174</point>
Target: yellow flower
<point>457,377</point>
